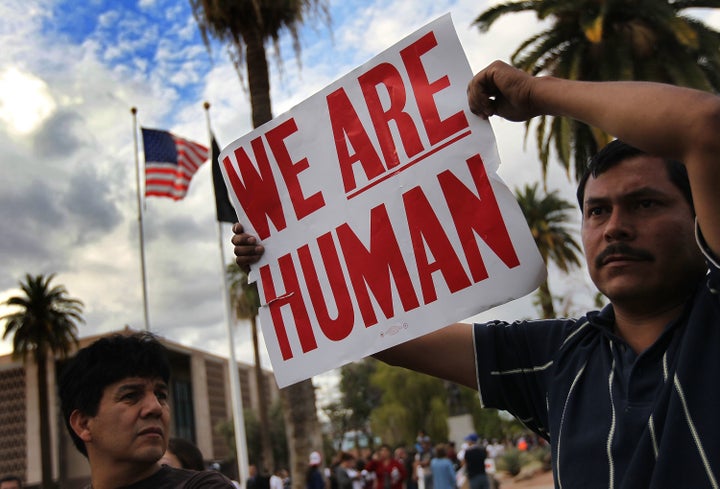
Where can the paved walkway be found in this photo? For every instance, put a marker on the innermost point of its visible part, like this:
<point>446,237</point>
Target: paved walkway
<point>544,480</point>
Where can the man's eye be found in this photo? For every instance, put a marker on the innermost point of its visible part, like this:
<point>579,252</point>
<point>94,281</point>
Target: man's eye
<point>162,396</point>
<point>646,203</point>
<point>595,211</point>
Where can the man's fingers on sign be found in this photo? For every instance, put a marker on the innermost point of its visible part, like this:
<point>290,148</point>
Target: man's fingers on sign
<point>503,90</point>
<point>246,247</point>
<point>481,96</point>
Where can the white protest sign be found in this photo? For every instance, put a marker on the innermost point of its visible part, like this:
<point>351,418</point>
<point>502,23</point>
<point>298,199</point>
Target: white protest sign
<point>380,210</point>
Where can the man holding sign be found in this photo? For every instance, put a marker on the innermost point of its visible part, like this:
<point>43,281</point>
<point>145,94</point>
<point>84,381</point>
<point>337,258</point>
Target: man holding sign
<point>627,396</point>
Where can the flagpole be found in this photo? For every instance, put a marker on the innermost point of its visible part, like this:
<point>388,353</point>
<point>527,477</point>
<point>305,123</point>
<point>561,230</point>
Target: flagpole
<point>140,221</point>
<point>235,388</point>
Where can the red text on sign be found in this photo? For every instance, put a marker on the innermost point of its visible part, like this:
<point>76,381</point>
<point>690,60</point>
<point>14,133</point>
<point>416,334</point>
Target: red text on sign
<point>255,186</point>
<point>374,269</point>
<point>348,128</point>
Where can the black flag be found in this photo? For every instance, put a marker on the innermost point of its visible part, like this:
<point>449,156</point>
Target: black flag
<point>225,211</point>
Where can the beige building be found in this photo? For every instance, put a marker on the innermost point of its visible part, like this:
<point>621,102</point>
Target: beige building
<point>199,400</point>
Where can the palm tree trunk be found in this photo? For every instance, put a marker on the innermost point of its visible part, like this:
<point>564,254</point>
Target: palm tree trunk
<point>266,461</point>
<point>258,78</point>
<point>45,442</point>
<point>303,428</point>
<point>546,300</point>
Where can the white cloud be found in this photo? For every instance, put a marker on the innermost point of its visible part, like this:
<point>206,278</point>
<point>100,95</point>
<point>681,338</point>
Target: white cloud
<point>25,100</point>
<point>109,18</point>
<point>147,4</point>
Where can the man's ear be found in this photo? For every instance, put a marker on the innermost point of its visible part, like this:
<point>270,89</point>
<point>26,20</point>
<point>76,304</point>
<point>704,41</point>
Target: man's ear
<point>79,423</point>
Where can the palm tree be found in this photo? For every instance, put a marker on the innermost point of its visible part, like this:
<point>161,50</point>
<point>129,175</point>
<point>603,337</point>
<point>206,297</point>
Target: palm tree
<point>598,40</point>
<point>246,26</point>
<point>547,217</point>
<point>246,303</point>
<point>45,323</point>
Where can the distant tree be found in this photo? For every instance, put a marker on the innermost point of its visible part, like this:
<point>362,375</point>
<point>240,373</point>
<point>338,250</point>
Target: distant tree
<point>389,421</point>
<point>359,395</point>
<point>610,40</point>
<point>410,401</point>
<point>358,398</point>
<point>339,422</point>
<point>547,216</point>
<point>246,27</point>
<point>488,422</point>
<point>278,436</point>
<point>276,429</point>
<point>44,323</point>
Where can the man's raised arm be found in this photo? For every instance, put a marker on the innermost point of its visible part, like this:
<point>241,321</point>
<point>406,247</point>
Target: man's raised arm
<point>446,353</point>
<point>663,120</point>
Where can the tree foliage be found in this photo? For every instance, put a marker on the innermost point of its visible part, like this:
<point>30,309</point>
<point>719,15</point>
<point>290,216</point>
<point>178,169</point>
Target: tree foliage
<point>245,27</point>
<point>490,423</point>
<point>359,395</point>
<point>411,401</point>
<point>400,402</point>
<point>547,217</point>
<point>44,322</point>
<point>278,440</point>
<point>599,40</point>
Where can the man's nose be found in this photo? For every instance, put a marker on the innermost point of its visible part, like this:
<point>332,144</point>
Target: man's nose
<point>151,405</point>
<point>619,226</point>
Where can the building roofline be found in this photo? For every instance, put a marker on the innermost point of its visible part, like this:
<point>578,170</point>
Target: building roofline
<point>7,361</point>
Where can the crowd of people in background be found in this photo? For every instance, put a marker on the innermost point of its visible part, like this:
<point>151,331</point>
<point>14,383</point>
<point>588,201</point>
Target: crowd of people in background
<point>424,465</point>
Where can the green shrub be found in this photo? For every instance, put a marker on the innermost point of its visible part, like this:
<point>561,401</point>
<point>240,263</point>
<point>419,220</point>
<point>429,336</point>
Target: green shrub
<point>513,460</point>
<point>509,461</point>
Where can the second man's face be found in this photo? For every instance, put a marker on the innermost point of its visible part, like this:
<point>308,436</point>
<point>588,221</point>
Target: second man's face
<point>133,421</point>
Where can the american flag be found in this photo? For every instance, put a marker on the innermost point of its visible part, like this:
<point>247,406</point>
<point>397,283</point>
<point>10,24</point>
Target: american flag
<point>170,163</point>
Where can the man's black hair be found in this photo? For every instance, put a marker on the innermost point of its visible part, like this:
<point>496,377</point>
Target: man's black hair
<point>618,151</point>
<point>106,361</point>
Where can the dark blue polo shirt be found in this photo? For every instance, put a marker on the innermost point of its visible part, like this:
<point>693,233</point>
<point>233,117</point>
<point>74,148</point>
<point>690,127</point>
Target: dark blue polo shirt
<point>615,419</point>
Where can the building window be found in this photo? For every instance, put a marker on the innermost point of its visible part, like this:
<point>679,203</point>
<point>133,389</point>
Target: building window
<point>13,424</point>
<point>184,419</point>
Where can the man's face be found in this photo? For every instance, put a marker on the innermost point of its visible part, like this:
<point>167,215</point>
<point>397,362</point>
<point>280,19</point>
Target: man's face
<point>638,235</point>
<point>10,485</point>
<point>132,422</point>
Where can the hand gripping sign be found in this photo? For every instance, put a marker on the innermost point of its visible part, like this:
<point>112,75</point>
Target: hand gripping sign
<point>380,210</point>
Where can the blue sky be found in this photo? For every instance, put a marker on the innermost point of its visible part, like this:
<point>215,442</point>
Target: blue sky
<point>69,74</point>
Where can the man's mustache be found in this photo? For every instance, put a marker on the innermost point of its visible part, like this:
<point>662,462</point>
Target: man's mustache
<point>624,250</point>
